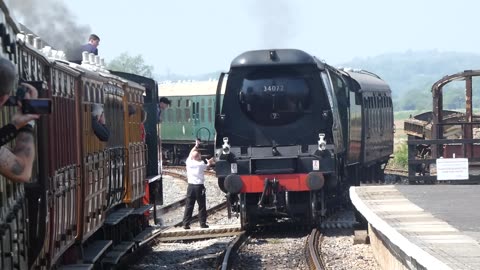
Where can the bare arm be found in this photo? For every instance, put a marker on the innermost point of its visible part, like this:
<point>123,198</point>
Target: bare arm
<point>17,165</point>
<point>211,162</point>
<point>195,148</point>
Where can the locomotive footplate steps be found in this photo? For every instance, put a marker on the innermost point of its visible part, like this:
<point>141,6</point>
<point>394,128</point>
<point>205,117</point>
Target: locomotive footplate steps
<point>94,250</point>
<point>407,225</point>
<point>113,257</point>
<point>141,210</point>
<point>115,217</point>
<point>77,267</point>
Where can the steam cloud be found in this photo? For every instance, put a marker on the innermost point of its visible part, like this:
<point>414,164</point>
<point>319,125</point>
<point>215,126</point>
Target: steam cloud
<point>275,20</point>
<point>53,22</point>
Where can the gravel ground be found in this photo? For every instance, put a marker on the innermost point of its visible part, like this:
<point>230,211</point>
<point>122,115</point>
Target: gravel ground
<point>273,252</point>
<point>182,256</point>
<point>341,254</point>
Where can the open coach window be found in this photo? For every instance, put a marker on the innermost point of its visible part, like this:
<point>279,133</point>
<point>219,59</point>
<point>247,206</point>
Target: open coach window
<point>276,96</point>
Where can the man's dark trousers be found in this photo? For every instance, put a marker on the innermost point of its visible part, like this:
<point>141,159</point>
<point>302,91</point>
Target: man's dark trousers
<point>195,193</point>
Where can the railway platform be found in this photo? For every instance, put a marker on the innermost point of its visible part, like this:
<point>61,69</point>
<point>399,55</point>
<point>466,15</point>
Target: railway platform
<point>422,226</point>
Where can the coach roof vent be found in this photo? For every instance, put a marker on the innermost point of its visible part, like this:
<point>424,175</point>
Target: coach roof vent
<point>91,59</point>
<point>85,58</point>
<point>46,50</point>
<point>97,60</point>
<point>30,39</point>
<point>37,43</point>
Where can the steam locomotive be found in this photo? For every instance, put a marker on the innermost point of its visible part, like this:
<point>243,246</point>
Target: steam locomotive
<point>87,202</point>
<point>293,134</point>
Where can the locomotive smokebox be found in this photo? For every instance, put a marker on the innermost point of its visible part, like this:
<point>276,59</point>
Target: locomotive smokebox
<point>315,180</point>
<point>233,183</point>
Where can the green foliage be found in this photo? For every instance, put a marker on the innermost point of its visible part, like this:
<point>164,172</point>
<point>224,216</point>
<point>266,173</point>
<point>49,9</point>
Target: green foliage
<point>401,156</point>
<point>131,64</point>
<point>411,75</point>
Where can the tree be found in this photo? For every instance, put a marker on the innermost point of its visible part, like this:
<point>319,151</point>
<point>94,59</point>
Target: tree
<point>131,64</point>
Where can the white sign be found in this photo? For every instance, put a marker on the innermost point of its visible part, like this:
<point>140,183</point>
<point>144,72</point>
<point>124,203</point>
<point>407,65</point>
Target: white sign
<point>316,165</point>
<point>452,169</point>
<point>233,167</point>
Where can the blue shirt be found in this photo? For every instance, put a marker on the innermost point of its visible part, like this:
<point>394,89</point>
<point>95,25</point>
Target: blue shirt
<point>89,48</point>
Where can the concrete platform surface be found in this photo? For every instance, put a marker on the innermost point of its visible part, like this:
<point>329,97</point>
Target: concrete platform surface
<point>436,226</point>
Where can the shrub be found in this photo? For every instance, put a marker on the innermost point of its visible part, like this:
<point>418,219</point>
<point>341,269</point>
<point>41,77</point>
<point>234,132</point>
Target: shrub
<point>401,156</point>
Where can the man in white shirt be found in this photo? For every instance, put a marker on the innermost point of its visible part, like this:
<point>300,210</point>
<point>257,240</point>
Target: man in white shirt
<point>196,188</point>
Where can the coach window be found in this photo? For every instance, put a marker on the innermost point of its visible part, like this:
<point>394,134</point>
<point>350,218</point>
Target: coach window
<point>85,93</point>
<point>179,103</point>
<point>170,115</point>
<point>198,109</point>
<point>202,114</point>
<point>179,115</point>
<point>187,103</point>
<point>210,114</point>
<point>187,115</point>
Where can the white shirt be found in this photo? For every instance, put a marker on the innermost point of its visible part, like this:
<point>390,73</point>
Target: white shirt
<point>196,171</point>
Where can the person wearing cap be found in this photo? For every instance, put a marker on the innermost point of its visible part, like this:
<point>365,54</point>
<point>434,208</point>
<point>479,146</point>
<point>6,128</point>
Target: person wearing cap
<point>92,45</point>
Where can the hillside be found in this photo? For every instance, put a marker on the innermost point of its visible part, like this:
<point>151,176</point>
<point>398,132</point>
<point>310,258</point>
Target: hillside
<point>415,70</point>
<point>409,74</point>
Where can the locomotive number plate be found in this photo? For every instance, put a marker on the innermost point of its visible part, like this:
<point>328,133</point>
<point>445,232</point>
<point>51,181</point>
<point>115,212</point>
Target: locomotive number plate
<point>273,88</point>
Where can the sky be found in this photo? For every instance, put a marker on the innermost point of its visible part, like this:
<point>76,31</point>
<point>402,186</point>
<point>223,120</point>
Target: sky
<point>197,37</point>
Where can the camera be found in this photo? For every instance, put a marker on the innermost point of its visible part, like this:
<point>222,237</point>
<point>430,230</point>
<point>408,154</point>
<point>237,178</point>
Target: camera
<point>30,106</point>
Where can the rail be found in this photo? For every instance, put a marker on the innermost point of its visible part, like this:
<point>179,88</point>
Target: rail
<point>312,251</point>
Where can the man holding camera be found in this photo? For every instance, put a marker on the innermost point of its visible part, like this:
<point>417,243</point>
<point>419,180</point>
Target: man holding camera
<point>16,164</point>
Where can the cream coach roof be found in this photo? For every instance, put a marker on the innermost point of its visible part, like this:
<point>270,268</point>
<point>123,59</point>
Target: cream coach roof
<point>188,88</point>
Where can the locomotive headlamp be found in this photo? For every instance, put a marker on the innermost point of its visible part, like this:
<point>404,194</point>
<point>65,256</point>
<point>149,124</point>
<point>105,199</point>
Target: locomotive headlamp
<point>322,144</point>
<point>225,146</point>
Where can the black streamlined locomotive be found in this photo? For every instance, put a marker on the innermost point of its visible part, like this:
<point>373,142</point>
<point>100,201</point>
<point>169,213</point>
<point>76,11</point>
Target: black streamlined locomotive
<point>293,134</point>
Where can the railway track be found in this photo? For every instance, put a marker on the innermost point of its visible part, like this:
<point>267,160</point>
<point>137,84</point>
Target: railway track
<point>168,234</point>
<point>313,252</point>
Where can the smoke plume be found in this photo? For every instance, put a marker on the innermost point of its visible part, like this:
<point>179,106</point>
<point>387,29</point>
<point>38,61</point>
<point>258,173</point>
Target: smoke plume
<point>53,22</point>
<point>275,21</point>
